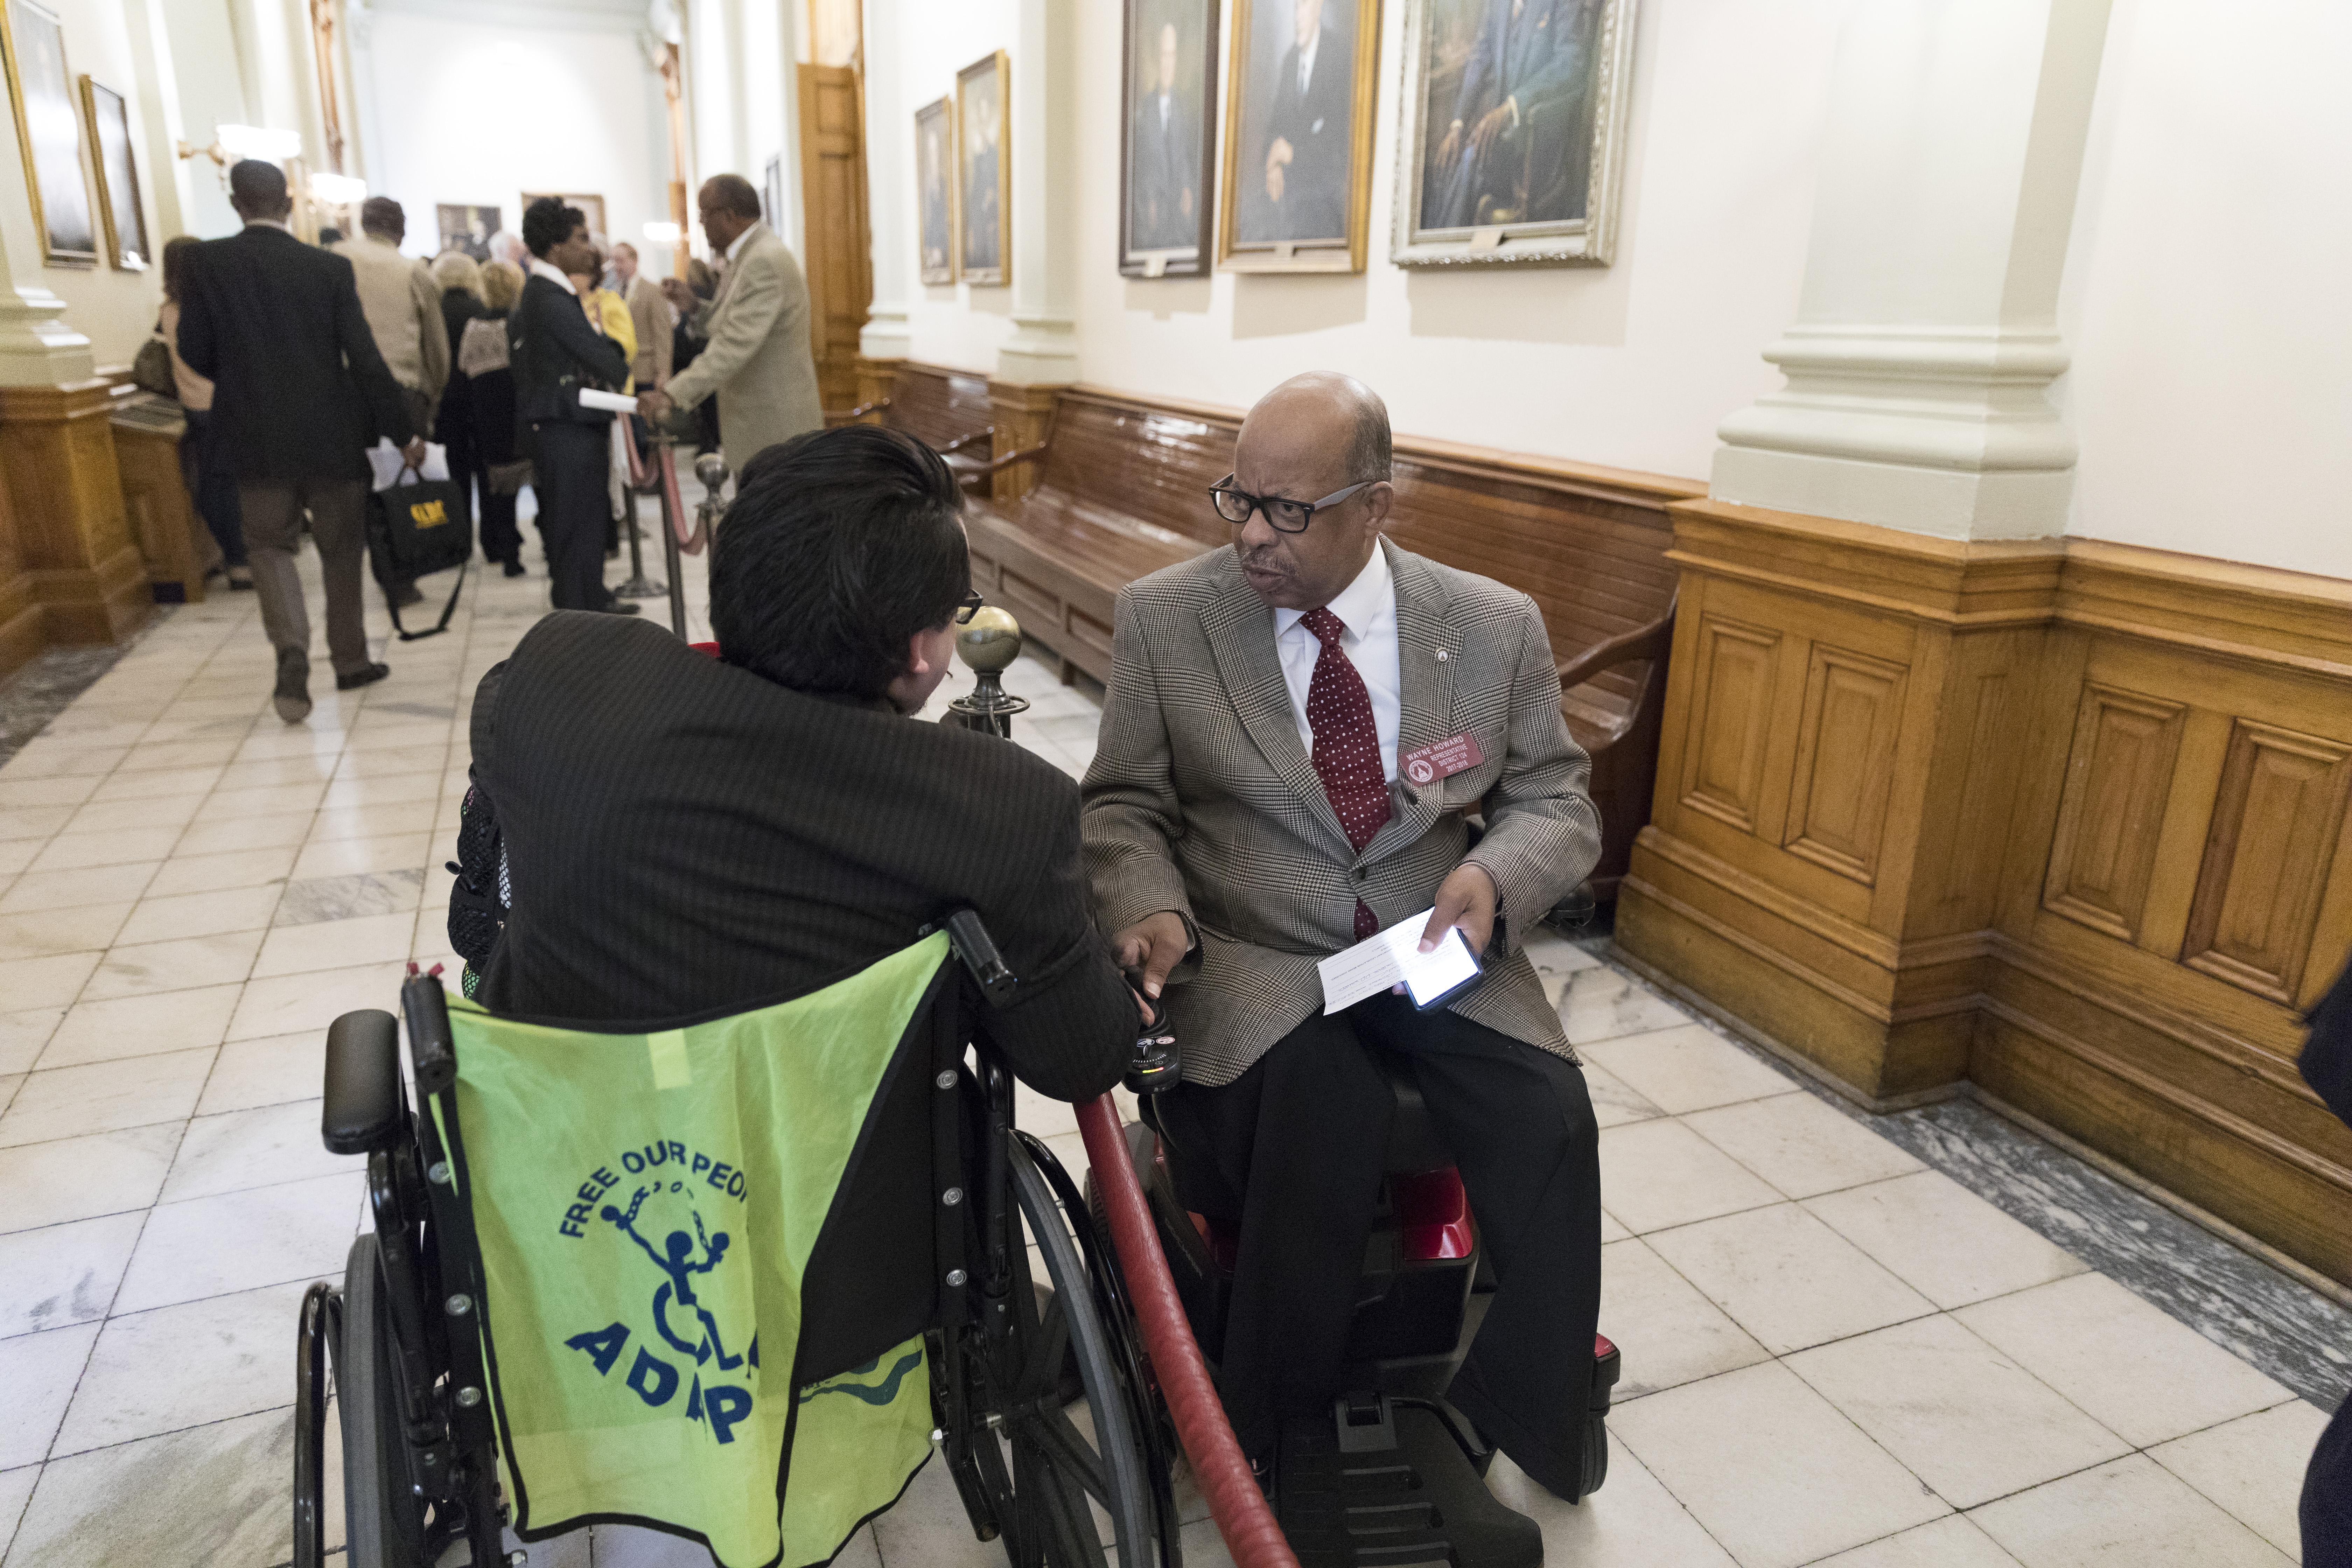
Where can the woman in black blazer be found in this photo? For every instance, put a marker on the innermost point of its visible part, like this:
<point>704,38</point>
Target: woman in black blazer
<point>482,357</point>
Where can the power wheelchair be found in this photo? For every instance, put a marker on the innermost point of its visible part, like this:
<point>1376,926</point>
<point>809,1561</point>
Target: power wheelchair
<point>427,1454</point>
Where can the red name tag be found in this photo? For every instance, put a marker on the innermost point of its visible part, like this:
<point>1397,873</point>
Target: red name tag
<point>1441,760</point>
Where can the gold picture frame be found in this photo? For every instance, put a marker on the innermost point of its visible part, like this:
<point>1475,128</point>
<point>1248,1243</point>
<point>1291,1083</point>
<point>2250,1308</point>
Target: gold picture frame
<point>938,242</point>
<point>1545,189</point>
<point>48,132</point>
<point>119,206</point>
<point>1295,194</point>
<point>983,143</point>
<point>1168,153</point>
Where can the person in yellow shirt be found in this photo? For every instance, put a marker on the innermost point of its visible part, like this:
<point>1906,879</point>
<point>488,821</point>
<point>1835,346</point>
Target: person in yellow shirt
<point>609,313</point>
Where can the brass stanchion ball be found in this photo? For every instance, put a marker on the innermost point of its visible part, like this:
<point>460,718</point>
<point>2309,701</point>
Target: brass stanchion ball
<point>990,641</point>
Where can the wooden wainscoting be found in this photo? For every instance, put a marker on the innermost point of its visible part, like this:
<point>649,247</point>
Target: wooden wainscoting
<point>2063,818</point>
<point>57,461</point>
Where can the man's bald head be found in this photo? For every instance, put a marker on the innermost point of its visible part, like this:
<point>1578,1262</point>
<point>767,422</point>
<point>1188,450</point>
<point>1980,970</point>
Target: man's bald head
<point>1336,412</point>
<point>1312,436</point>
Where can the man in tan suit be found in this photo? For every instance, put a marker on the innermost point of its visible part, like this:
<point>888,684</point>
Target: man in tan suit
<point>403,306</point>
<point>650,314</point>
<point>757,361</point>
<point>1296,728</point>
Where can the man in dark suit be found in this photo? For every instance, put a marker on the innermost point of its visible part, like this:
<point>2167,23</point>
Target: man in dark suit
<point>300,392</point>
<point>1296,728</point>
<point>1165,176</point>
<point>697,834</point>
<point>1307,131</point>
<point>557,349</point>
<point>1529,54</point>
<point>2326,1505</point>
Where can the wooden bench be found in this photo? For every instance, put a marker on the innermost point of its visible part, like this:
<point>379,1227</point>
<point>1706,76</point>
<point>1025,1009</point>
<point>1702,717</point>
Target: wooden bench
<point>948,410</point>
<point>1121,490</point>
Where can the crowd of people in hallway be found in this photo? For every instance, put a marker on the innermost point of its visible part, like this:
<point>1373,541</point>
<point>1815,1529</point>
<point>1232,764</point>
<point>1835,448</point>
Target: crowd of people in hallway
<point>289,368</point>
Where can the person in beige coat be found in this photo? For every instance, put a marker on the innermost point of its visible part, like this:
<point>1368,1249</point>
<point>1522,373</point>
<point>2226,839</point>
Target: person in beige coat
<point>758,361</point>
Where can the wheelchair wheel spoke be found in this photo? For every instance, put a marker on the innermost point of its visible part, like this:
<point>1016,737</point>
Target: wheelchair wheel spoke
<point>1060,1440</point>
<point>1049,1343</point>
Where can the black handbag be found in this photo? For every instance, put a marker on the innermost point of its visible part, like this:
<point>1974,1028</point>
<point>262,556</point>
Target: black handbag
<point>415,528</point>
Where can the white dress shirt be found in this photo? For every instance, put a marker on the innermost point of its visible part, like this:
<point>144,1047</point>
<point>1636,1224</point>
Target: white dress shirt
<point>1367,607</point>
<point>1307,74</point>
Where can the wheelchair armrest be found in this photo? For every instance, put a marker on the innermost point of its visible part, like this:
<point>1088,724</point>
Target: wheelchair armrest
<point>364,1110</point>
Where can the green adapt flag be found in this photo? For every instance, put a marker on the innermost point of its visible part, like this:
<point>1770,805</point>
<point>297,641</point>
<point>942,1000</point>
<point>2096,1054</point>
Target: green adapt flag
<point>645,1206</point>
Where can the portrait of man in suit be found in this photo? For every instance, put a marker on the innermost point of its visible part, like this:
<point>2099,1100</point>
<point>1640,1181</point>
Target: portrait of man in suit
<point>980,92</point>
<point>1164,198</point>
<point>938,210</point>
<point>1508,114</point>
<point>1294,162</point>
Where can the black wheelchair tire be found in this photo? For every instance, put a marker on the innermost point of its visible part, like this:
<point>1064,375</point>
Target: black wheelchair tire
<point>1112,1404</point>
<point>383,1521</point>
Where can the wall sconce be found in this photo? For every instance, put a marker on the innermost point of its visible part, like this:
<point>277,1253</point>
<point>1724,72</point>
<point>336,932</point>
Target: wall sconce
<point>231,142</point>
<point>662,232</point>
<point>337,190</point>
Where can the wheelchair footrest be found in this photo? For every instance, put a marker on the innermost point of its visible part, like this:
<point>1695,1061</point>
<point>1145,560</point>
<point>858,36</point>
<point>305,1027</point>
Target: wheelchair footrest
<point>1382,1482</point>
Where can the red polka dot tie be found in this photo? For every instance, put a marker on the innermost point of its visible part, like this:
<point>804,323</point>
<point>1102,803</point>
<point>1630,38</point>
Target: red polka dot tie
<point>1346,743</point>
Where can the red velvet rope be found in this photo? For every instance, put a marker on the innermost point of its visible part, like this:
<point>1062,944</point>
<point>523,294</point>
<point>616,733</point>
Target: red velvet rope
<point>1248,1526</point>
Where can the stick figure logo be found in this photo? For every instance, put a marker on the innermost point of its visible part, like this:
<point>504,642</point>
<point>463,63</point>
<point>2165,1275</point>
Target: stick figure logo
<point>676,1259</point>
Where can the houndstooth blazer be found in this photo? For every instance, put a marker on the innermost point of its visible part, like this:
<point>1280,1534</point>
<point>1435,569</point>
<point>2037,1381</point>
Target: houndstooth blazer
<point>1202,801</point>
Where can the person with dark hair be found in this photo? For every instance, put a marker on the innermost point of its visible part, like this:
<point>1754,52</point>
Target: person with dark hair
<point>211,481</point>
<point>684,834</point>
<point>557,350</point>
<point>300,393</point>
<point>755,360</point>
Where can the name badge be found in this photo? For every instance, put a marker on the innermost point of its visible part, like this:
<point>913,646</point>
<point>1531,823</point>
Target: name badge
<point>1443,760</point>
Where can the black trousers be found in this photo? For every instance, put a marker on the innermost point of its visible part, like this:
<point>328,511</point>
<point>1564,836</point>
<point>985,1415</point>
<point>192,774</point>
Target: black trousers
<point>2326,1509</point>
<point>1293,1150</point>
<point>501,535</point>
<point>568,472</point>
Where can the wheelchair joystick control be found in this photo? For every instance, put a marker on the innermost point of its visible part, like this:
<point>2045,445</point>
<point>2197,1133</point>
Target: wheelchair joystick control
<point>1157,1065</point>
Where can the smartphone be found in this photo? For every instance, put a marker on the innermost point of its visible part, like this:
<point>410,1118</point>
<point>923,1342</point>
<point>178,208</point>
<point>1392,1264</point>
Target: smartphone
<point>1433,979</point>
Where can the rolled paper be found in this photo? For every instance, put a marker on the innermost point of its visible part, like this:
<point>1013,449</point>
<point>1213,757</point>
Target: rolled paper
<point>613,402</point>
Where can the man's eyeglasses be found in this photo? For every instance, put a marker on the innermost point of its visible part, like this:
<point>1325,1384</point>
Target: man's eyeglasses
<point>968,608</point>
<point>1285,516</point>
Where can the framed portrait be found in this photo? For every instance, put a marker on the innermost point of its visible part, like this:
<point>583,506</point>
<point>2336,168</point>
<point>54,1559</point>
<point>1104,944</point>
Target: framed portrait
<point>118,177</point>
<point>1297,192</point>
<point>983,115</point>
<point>467,227</point>
<point>1167,163</point>
<point>49,129</point>
<point>1512,133</point>
<point>593,206</point>
<point>935,187</point>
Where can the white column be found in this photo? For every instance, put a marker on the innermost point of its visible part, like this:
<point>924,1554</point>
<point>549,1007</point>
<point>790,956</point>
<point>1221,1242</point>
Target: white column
<point>1044,347</point>
<point>1926,337</point>
<point>889,190</point>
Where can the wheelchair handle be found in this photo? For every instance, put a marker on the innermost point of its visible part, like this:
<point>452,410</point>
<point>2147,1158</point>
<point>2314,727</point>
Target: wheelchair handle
<point>430,1049</point>
<point>972,944</point>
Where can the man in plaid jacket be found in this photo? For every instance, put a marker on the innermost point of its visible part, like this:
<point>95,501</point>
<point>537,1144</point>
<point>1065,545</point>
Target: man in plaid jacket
<point>1297,730</point>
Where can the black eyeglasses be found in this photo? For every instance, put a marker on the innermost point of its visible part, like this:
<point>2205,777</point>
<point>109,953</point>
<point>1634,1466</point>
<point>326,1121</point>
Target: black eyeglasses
<point>968,608</point>
<point>1287,516</point>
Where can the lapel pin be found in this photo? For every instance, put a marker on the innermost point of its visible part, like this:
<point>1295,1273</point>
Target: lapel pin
<point>1441,656</point>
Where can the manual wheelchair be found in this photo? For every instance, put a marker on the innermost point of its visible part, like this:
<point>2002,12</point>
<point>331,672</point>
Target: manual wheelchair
<point>429,1442</point>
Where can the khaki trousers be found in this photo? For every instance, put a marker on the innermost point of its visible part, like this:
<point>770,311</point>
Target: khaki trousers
<point>273,534</point>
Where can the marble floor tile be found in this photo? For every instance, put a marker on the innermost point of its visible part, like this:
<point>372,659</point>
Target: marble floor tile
<point>186,965</point>
<point>2133,1367</point>
<point>142,1026</point>
<point>235,1150</point>
<point>308,768</point>
<point>16,1492</point>
<point>1613,1103</point>
<point>353,857</point>
<point>154,784</point>
<point>33,821</point>
<point>175,1367</point>
<point>266,800</point>
<point>1610,1230</point>
<point>1603,1003</point>
<point>334,944</point>
<point>1660,1173</point>
<point>312,738</point>
<point>118,816</point>
<point>2131,1513</point>
<point>928,1529</point>
<point>243,834</point>
<point>1772,1469</point>
<point>1788,1278</point>
<point>1941,1239</point>
<point>1667,1332</point>
<point>179,915</point>
<point>1630,1523</point>
<point>17,854</point>
<point>1951,1541</point>
<point>628,1546</point>
<point>50,931</point>
<point>68,1102</point>
<point>375,821</point>
<point>73,851</point>
<point>1802,1145</point>
<point>63,1274</point>
<point>211,1497</point>
<point>1962,1416</point>
<point>45,759</point>
<point>239,1241</point>
<point>58,789</point>
<point>39,1372</point>
<point>217,872</point>
<point>1688,1067</point>
<point>22,1036</point>
<point>381,754</point>
<point>292,1004</point>
<point>346,898</point>
<point>276,1070</point>
<point>2253,1468</point>
<point>38,890</point>
<point>359,795</point>
<point>29,983</point>
<point>76,1178</point>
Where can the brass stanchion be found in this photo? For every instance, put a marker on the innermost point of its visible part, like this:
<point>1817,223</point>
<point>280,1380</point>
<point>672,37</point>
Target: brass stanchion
<point>988,643</point>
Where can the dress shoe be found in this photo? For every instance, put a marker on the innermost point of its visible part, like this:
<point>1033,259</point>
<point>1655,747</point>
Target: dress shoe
<point>360,678</point>
<point>406,594</point>
<point>240,578</point>
<point>622,607</point>
<point>292,696</point>
<point>516,568</point>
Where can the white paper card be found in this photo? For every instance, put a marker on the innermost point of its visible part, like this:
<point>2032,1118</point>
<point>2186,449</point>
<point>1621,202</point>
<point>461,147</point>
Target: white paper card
<point>611,402</point>
<point>1394,957</point>
<point>384,458</point>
